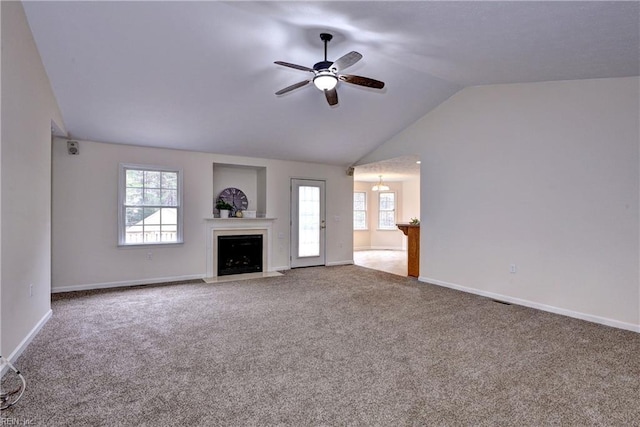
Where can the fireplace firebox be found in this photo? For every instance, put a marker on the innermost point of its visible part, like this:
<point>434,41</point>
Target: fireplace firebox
<point>239,254</point>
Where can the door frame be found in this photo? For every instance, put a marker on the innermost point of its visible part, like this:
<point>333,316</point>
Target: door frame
<point>294,260</point>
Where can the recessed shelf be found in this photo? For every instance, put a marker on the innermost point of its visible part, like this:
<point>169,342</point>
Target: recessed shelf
<point>252,180</point>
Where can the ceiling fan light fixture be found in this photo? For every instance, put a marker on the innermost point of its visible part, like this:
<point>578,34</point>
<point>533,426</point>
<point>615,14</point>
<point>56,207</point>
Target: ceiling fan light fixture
<point>327,73</point>
<point>325,80</point>
<point>380,186</point>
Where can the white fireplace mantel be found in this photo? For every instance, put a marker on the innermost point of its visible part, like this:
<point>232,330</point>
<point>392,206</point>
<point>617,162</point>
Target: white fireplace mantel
<point>227,226</point>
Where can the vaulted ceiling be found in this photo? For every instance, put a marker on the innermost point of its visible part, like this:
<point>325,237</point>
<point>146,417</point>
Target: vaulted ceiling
<point>201,75</point>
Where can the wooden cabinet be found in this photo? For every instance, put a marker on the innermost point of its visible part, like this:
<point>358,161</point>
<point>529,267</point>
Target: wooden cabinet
<point>413,248</point>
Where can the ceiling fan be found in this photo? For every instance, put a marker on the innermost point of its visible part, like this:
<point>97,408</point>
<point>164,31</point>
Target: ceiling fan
<point>327,74</point>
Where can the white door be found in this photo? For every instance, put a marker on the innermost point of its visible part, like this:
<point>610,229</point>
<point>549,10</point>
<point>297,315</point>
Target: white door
<point>307,223</point>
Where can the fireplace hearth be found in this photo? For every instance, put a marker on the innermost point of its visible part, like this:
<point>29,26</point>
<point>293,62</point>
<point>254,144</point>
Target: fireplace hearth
<point>239,254</point>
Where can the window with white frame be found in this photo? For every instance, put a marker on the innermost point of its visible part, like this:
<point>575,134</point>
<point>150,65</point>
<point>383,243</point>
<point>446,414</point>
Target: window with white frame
<point>386,210</point>
<point>150,210</point>
<point>359,210</point>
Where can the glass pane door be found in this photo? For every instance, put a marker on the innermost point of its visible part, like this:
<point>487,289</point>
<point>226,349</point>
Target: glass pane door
<point>307,222</point>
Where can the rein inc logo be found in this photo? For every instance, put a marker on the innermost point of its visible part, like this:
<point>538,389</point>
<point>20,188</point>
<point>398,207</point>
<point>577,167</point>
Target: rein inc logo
<point>14,421</point>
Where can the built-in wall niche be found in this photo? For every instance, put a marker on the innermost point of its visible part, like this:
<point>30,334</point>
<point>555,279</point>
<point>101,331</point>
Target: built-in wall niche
<point>252,180</point>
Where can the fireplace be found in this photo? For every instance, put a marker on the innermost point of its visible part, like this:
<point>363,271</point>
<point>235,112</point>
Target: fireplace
<point>218,227</point>
<point>239,254</point>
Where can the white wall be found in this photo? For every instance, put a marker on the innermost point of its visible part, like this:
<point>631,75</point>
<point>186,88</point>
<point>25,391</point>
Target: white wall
<point>85,251</point>
<point>28,107</point>
<point>410,199</point>
<point>542,175</point>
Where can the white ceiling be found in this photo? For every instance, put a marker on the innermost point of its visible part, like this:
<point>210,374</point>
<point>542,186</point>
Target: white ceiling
<point>200,75</point>
<point>396,169</point>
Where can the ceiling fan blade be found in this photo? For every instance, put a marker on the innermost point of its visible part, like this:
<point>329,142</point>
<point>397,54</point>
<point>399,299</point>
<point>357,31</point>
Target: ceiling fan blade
<point>297,67</point>
<point>346,61</point>
<point>361,81</point>
<point>292,87</point>
<point>332,96</point>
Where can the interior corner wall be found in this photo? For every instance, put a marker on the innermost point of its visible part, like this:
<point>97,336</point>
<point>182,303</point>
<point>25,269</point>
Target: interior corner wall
<point>545,176</point>
<point>85,236</point>
<point>410,199</point>
<point>28,107</point>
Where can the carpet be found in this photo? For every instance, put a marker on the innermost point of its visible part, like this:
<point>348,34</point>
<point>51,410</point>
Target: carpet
<point>322,346</point>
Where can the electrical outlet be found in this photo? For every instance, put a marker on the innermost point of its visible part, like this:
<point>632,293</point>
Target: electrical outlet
<point>513,268</point>
<point>31,290</point>
<point>149,256</point>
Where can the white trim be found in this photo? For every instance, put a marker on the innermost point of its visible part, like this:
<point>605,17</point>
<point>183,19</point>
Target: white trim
<point>395,211</point>
<point>122,169</point>
<point>366,214</point>
<point>295,260</point>
<point>346,262</point>
<point>215,226</point>
<point>539,306</point>
<point>27,340</point>
<point>217,233</point>
<point>126,283</point>
<point>283,268</point>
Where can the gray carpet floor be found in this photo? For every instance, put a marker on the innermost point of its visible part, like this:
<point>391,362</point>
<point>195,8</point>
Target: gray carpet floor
<point>322,346</point>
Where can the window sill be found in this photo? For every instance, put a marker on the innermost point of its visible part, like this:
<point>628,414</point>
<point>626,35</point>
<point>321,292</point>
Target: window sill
<point>149,245</point>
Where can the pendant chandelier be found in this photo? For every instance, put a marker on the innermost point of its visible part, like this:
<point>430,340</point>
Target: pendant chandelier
<point>380,186</point>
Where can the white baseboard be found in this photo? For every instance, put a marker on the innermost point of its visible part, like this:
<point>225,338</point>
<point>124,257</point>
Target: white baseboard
<point>539,306</point>
<point>90,286</point>
<point>27,340</point>
<point>286,267</point>
<point>332,263</point>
